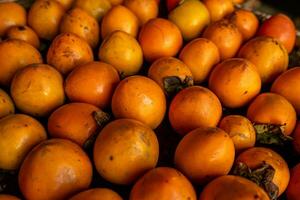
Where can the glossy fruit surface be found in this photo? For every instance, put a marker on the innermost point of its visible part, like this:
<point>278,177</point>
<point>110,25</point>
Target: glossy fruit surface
<point>7,106</point>
<point>24,33</point>
<point>97,194</point>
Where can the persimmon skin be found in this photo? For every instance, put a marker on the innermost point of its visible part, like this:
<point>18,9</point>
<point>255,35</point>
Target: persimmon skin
<point>24,33</point>
<point>163,183</point>
<point>8,197</point>
<point>197,103</point>
<point>97,9</point>
<point>139,98</point>
<point>271,108</point>
<point>235,81</point>
<point>219,8</point>
<point>287,85</point>
<point>256,156</point>
<point>159,38</point>
<point>11,14</point>
<point>293,187</point>
<point>7,106</point>
<point>296,137</point>
<point>226,36</point>
<point>281,27</point>
<point>73,121</point>
<point>97,194</point>
<point>233,188</point>
<point>211,142</point>
<point>92,83</point>
<point>124,150</point>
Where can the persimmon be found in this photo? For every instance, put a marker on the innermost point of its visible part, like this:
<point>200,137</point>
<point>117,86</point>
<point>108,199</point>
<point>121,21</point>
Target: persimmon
<point>191,17</point>
<point>163,183</point>
<point>97,194</point>
<point>68,51</point>
<point>241,131</point>
<point>292,191</point>
<point>270,108</point>
<point>204,154</point>
<point>122,51</point>
<point>97,9</point>
<point>139,98</point>
<point>167,69</point>
<point>296,137</point>
<point>73,121</point>
<point>44,17</point>
<point>11,14</point>
<point>24,33</point>
<point>226,36</point>
<point>67,4</point>
<point>19,133</point>
<point>55,169</point>
<point>124,150</point>
<point>200,55</point>
<point>79,22</point>
<point>7,106</point>
<point>287,85</point>
<point>92,83</point>
<point>197,103</point>
<point>235,81</point>
<point>268,55</point>
<point>159,38</point>
<point>37,89</point>
<point>281,27</point>
<point>255,157</point>
<point>119,18</point>
<point>20,54</point>
<point>233,188</point>
<point>116,2</point>
<point>246,22</point>
<point>8,197</point>
<point>143,9</point>
<point>219,8</point>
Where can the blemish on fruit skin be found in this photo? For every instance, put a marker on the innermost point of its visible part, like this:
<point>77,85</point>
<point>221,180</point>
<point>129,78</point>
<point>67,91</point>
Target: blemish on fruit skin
<point>111,158</point>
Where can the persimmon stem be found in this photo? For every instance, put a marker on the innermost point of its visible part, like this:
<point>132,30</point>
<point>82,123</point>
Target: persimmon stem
<point>173,84</point>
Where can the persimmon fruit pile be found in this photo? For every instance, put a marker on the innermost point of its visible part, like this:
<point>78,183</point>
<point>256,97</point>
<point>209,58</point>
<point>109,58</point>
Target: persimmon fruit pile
<point>147,100</point>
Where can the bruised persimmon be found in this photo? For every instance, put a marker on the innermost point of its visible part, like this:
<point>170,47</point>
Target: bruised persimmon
<point>139,98</point>
<point>92,83</point>
<point>68,51</point>
<point>79,22</point>
<point>271,108</point>
<point>232,188</point>
<point>7,106</point>
<point>219,8</point>
<point>19,133</point>
<point>122,51</point>
<point>11,14</point>
<point>24,33</point>
<point>97,194</point>
<point>20,54</point>
<point>282,28</point>
<point>8,197</point>
<point>55,169</point>
<point>241,131</point>
<point>226,36</point>
<point>159,38</point>
<point>255,157</point>
<point>268,55</point>
<point>163,183</point>
<point>124,150</point>
<point>235,81</point>
<point>73,121</point>
<point>296,138</point>
<point>143,9</point>
<point>164,70</point>
<point>119,18</point>
<point>197,103</point>
<point>200,55</point>
<point>97,9</point>
<point>288,86</point>
<point>44,18</point>
<point>204,154</point>
<point>246,22</point>
<point>37,89</point>
<point>292,191</point>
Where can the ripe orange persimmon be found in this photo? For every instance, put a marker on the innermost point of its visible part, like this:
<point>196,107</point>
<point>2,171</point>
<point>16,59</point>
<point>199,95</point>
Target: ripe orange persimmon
<point>97,9</point>
<point>92,83</point>
<point>96,194</point>
<point>139,98</point>
<point>24,33</point>
<point>296,137</point>
<point>55,169</point>
<point>163,183</point>
<point>204,154</point>
<point>196,103</point>
<point>159,38</point>
<point>7,106</point>
<point>294,184</point>
<point>8,197</point>
<point>219,8</point>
